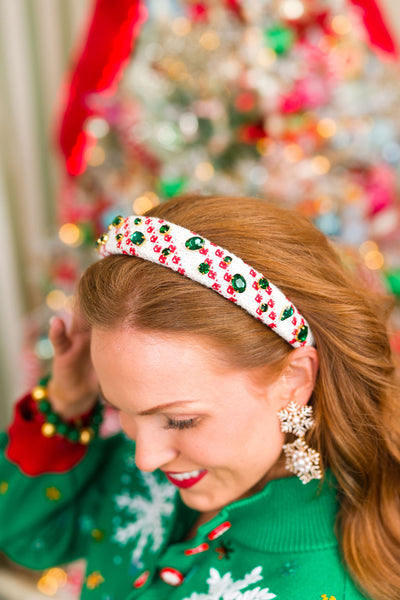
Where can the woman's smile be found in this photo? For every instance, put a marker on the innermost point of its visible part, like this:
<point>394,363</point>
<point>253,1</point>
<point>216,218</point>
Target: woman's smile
<point>185,479</point>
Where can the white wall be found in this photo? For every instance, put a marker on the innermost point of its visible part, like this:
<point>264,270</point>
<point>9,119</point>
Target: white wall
<point>35,43</point>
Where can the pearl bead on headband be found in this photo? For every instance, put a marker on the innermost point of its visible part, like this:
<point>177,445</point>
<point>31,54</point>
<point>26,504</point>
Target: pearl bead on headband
<point>192,255</point>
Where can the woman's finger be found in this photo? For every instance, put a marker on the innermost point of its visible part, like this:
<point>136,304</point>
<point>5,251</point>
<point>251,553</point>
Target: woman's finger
<point>79,324</point>
<point>58,336</point>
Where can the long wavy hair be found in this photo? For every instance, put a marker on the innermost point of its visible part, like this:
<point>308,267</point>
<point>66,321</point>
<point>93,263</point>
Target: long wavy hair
<point>355,399</point>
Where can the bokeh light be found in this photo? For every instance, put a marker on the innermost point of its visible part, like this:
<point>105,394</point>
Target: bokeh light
<point>70,234</point>
<point>204,171</point>
<point>51,581</point>
<point>210,40</point>
<point>97,156</point>
<point>292,9</point>
<point>145,202</point>
<point>293,153</point>
<point>341,24</point>
<point>321,165</point>
<point>56,299</point>
<point>327,128</point>
<point>181,26</point>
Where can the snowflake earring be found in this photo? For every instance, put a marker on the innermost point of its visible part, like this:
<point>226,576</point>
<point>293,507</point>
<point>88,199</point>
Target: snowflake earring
<point>302,460</point>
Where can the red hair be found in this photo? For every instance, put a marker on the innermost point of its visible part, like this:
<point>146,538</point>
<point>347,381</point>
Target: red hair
<point>355,399</point>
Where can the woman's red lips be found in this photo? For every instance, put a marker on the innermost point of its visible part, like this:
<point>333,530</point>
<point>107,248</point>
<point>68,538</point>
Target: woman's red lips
<point>185,479</point>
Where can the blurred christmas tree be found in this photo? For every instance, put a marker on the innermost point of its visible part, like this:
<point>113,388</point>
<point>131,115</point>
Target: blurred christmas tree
<point>272,98</point>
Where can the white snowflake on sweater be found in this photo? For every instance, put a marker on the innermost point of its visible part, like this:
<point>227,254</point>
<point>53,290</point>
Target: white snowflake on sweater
<point>225,588</point>
<point>147,526</point>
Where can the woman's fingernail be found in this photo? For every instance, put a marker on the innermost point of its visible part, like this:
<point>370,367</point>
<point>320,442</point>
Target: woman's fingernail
<point>51,320</point>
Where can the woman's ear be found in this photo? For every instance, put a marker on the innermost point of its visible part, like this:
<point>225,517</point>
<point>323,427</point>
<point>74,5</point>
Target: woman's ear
<point>297,379</point>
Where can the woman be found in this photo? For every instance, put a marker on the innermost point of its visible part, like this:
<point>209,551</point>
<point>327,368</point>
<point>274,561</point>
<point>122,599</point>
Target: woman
<point>275,421</point>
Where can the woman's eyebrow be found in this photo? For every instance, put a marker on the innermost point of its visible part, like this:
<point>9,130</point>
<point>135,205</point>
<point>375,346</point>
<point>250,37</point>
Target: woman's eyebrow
<point>160,407</point>
<point>154,409</point>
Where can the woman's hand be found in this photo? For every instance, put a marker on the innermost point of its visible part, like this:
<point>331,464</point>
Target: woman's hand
<point>73,387</point>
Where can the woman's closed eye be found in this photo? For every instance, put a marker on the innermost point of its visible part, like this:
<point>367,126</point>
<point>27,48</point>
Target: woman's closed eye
<point>180,423</point>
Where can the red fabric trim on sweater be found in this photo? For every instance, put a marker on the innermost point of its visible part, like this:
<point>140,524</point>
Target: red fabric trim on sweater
<point>33,453</point>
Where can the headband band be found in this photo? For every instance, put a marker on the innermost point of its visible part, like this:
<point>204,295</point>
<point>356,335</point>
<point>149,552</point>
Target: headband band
<point>192,255</point>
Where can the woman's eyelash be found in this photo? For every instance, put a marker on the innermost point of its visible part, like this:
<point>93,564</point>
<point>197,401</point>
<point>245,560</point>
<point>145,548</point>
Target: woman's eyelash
<point>180,424</point>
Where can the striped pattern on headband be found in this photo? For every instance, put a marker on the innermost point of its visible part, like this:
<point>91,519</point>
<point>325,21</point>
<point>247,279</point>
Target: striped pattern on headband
<point>195,257</point>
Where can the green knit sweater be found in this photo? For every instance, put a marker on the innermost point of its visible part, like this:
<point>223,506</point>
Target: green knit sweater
<point>129,525</point>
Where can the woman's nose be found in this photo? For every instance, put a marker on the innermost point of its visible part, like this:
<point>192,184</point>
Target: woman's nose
<point>153,448</point>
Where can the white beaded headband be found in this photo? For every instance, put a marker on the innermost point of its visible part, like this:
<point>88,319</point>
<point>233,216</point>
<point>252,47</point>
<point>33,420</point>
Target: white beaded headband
<point>192,255</point>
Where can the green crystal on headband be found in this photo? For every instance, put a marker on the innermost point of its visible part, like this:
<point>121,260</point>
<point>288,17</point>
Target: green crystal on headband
<point>228,259</point>
<point>238,283</point>
<point>117,221</point>
<point>137,221</point>
<point>166,252</point>
<point>264,307</point>
<point>119,236</point>
<point>263,283</point>
<point>137,238</point>
<point>302,333</point>
<point>164,229</point>
<point>194,243</point>
<point>287,312</point>
<point>204,268</point>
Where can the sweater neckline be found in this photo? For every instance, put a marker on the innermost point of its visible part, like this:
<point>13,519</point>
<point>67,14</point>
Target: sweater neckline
<point>285,516</point>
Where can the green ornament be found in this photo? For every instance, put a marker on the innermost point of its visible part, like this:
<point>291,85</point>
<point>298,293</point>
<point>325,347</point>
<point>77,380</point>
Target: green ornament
<point>119,236</point>
<point>172,187</point>
<point>287,312</point>
<point>393,281</point>
<point>137,221</point>
<point>302,333</point>
<point>204,268</point>
<point>264,307</point>
<point>194,243</point>
<point>263,283</point>
<point>166,252</point>
<point>137,238</point>
<point>164,229</point>
<point>279,38</point>
<point>238,283</point>
<point>87,232</point>
<point>227,260</point>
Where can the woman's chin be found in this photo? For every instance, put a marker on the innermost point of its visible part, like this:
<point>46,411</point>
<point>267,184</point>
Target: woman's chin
<point>203,502</point>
